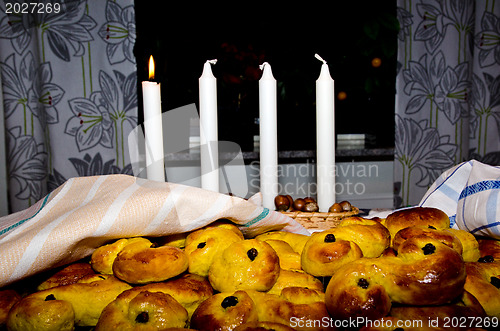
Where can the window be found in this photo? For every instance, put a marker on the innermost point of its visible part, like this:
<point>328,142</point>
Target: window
<point>356,38</point>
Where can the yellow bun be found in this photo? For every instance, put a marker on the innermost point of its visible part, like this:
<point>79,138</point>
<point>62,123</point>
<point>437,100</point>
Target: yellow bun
<point>87,298</point>
<point>37,313</point>
<point>70,274</point>
<point>424,272</point>
<point>142,311</point>
<point>189,290</point>
<point>224,311</point>
<point>296,240</point>
<point>139,263</point>
<point>483,277</point>
<point>324,253</point>
<point>466,307</point>
<point>300,304</point>
<point>289,259</point>
<point>470,245</point>
<point>370,235</point>
<point>295,278</point>
<point>445,236</point>
<point>103,257</point>
<point>249,264</point>
<point>416,216</point>
<point>203,245</point>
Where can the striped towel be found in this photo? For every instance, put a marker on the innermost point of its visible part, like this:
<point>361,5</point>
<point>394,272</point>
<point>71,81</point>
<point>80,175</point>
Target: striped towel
<point>86,212</point>
<point>469,194</point>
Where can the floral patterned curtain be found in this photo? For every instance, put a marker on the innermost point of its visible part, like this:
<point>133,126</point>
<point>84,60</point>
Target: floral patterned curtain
<point>447,90</point>
<point>69,91</point>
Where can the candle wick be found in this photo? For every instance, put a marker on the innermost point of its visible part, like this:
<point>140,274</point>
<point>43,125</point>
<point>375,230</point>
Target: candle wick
<point>261,67</point>
<point>319,58</point>
<point>214,61</point>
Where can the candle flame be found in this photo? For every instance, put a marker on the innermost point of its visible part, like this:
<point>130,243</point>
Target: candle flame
<point>151,68</point>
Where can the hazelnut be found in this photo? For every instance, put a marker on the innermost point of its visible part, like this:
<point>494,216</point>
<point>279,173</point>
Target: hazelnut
<point>290,199</point>
<point>281,202</point>
<point>336,208</point>
<point>299,204</point>
<point>346,206</point>
<point>311,207</point>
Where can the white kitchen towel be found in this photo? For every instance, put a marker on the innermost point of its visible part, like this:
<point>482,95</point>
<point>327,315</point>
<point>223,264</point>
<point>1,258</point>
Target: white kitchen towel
<point>469,194</point>
<point>86,212</point>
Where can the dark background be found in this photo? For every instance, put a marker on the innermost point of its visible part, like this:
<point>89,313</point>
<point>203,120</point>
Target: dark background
<point>347,34</point>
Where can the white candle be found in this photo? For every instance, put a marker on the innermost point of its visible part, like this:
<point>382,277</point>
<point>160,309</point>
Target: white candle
<point>325,138</point>
<point>209,152</point>
<point>151,95</point>
<point>268,137</point>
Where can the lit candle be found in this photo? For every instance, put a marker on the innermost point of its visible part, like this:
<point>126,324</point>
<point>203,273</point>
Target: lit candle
<point>209,152</point>
<point>325,138</point>
<point>268,137</point>
<point>153,126</point>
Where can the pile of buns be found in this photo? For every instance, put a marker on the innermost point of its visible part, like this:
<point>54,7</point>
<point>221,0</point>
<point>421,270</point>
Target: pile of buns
<point>364,274</point>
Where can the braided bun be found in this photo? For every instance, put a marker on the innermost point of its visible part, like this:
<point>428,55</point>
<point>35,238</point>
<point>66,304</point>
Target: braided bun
<point>424,272</point>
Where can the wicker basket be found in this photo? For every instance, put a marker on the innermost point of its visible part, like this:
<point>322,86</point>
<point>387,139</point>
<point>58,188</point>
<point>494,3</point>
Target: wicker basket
<point>320,221</point>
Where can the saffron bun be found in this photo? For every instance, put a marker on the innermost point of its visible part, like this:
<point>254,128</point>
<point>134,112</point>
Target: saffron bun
<point>470,245</point>
<point>324,253</point>
<point>248,264</point>
<point>468,308</point>
<point>445,236</point>
<point>70,274</point>
<point>424,272</point>
<point>189,290</point>
<point>444,317</point>
<point>139,263</point>
<point>295,278</point>
<point>289,259</point>
<point>296,304</point>
<point>353,238</point>
<point>142,310</point>
<point>296,240</point>
<point>483,277</point>
<point>416,216</point>
<point>8,298</point>
<point>87,299</point>
<point>226,224</point>
<point>203,245</point>
<point>369,234</point>
<point>41,313</point>
<point>224,311</point>
<point>103,257</point>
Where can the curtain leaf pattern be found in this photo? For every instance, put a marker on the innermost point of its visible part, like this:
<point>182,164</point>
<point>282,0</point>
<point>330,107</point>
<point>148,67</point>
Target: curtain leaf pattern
<point>69,92</point>
<point>447,90</point>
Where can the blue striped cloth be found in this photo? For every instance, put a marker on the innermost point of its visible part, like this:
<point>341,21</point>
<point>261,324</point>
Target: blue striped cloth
<point>469,194</point>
